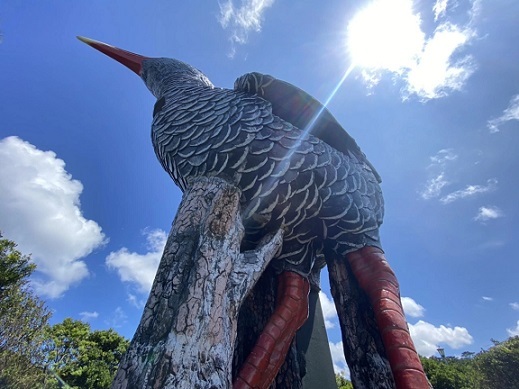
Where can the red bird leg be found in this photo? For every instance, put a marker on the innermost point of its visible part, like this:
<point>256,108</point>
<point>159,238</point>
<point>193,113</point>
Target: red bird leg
<point>376,278</point>
<point>266,358</point>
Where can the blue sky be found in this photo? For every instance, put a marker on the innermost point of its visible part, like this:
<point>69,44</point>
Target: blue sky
<point>433,100</point>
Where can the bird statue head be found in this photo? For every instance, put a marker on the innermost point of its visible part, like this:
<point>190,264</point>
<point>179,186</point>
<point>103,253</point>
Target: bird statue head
<point>159,74</point>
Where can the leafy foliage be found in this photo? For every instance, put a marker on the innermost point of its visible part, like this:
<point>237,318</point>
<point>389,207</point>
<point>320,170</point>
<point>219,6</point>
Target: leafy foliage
<point>15,268</point>
<point>34,354</point>
<point>496,367</point>
<point>82,358</point>
<point>342,382</point>
<point>451,373</point>
<point>23,318</point>
<point>499,366</point>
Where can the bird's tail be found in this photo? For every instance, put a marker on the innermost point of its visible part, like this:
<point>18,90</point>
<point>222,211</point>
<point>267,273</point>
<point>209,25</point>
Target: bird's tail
<point>376,278</point>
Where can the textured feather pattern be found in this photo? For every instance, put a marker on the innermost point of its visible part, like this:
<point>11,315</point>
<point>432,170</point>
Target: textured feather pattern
<point>318,195</point>
<point>301,110</point>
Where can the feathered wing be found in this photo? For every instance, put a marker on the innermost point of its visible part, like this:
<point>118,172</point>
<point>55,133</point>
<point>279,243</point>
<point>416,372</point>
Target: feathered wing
<point>297,107</point>
<point>289,179</point>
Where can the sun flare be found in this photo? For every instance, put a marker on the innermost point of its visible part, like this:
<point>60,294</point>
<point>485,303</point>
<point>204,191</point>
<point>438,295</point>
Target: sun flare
<point>385,35</point>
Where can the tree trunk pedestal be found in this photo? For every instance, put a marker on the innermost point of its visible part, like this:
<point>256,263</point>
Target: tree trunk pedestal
<point>187,332</point>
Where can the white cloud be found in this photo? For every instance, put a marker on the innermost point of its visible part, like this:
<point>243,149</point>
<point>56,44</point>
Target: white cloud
<point>136,301</point>
<point>514,306</point>
<point>435,74</point>
<point>434,186</point>
<point>137,268</point>
<point>118,318</point>
<point>427,338</point>
<point>470,191</point>
<point>339,362</point>
<point>439,8</point>
<point>388,37</point>
<point>491,244</point>
<point>486,298</point>
<point>513,331</point>
<point>87,316</point>
<point>329,311</point>
<point>443,156</point>
<point>240,20</point>
<point>41,211</point>
<point>412,308</point>
<point>488,212</point>
<point>509,114</point>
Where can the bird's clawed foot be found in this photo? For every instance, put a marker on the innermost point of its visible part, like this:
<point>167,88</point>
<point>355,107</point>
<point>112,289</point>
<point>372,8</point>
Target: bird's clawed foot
<point>263,363</point>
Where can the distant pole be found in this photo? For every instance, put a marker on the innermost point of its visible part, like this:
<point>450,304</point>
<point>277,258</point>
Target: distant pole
<point>312,340</point>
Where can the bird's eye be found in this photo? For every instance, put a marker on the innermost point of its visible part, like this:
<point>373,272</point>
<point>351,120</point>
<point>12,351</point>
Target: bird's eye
<point>159,105</point>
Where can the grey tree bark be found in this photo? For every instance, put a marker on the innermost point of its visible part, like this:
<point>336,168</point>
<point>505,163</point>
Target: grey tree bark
<point>361,338</point>
<point>187,332</point>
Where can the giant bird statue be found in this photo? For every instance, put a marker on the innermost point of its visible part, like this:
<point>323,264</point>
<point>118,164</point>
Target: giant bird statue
<point>297,170</point>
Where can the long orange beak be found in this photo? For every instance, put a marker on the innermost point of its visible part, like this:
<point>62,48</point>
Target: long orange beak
<point>130,60</point>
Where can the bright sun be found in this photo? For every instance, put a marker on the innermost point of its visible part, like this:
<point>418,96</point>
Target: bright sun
<point>385,35</point>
